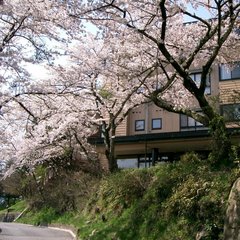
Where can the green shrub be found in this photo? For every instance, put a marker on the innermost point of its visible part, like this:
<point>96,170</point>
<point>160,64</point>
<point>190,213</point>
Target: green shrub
<point>121,189</point>
<point>169,201</point>
<point>43,216</point>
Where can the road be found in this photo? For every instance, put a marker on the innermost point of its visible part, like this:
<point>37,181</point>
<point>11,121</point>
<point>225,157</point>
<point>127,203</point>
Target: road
<point>16,231</point>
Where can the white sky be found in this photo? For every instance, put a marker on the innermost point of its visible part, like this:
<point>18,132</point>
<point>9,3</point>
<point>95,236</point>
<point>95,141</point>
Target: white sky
<point>39,72</point>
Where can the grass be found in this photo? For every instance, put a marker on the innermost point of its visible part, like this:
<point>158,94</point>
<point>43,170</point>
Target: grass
<point>19,206</point>
<point>169,201</point>
<point>13,211</point>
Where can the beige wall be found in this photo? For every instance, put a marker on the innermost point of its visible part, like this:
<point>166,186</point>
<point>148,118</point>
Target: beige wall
<point>214,78</point>
<point>171,121</point>
<point>122,128</point>
<point>147,112</point>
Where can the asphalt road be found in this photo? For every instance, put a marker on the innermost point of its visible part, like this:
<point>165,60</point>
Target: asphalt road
<point>16,231</point>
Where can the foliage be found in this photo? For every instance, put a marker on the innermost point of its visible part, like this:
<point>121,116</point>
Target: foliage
<point>105,94</point>
<point>139,50</point>
<point>222,152</point>
<point>19,206</point>
<point>11,190</point>
<point>169,201</point>
<point>12,209</point>
<point>54,194</point>
<point>121,190</point>
<point>58,184</point>
<point>43,216</point>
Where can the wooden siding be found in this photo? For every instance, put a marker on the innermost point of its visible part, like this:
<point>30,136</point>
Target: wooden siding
<point>229,90</point>
<point>122,128</point>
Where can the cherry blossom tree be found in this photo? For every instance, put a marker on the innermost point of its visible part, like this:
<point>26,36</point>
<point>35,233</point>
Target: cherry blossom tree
<point>30,32</point>
<point>142,50</point>
<point>107,84</point>
<point>48,128</point>
<point>34,33</point>
<point>156,32</point>
<point>94,91</point>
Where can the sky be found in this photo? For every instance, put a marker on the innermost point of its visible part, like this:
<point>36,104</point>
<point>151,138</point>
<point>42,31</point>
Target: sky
<point>39,72</point>
<point>201,11</point>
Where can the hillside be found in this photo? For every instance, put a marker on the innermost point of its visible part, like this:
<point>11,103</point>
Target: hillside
<point>170,201</point>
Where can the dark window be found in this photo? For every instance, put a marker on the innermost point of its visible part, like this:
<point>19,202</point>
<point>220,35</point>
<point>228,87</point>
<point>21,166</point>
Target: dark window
<point>231,112</point>
<point>196,77</point>
<point>189,123</point>
<point>237,31</point>
<point>139,125</point>
<point>227,73</point>
<point>156,123</point>
<point>183,121</point>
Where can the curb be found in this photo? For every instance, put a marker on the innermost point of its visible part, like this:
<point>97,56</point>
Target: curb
<point>65,230</point>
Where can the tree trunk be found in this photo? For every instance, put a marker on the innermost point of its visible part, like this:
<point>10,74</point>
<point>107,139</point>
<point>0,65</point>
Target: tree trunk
<point>109,139</point>
<point>112,159</point>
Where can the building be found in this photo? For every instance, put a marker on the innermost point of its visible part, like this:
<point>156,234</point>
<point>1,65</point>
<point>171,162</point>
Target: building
<point>150,134</point>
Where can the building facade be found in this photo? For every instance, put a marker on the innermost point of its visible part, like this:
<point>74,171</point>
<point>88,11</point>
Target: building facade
<point>150,134</point>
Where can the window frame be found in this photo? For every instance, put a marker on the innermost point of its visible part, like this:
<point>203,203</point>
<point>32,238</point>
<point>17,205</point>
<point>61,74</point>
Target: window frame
<point>195,126</point>
<point>230,71</point>
<point>141,121</point>
<point>231,112</point>
<point>208,89</point>
<point>160,121</point>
